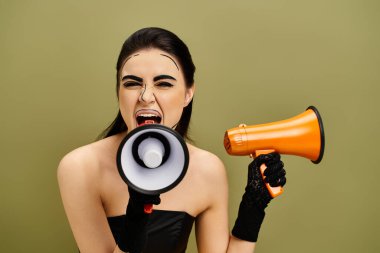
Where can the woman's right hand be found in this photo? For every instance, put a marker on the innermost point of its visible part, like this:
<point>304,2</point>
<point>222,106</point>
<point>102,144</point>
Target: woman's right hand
<point>138,200</point>
<point>136,220</point>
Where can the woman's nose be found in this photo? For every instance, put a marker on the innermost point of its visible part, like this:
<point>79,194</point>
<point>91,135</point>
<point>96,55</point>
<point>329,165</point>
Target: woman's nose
<point>147,95</point>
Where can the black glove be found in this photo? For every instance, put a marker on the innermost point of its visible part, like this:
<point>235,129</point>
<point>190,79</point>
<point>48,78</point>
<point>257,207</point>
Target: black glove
<point>136,220</point>
<point>256,197</point>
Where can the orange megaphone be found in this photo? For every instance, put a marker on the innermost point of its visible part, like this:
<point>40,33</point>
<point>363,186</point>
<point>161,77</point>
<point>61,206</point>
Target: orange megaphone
<point>302,135</point>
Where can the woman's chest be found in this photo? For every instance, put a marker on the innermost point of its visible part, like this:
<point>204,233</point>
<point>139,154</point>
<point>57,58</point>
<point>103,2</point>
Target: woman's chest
<point>188,196</point>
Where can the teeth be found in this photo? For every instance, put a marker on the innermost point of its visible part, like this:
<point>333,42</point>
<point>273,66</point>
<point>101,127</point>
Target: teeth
<point>148,118</point>
<point>147,115</point>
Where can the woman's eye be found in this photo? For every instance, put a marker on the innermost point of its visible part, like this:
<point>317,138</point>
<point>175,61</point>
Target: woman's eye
<point>131,84</point>
<point>164,84</point>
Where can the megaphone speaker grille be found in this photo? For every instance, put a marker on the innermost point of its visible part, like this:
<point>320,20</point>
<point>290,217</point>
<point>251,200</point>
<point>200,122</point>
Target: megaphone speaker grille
<point>145,136</point>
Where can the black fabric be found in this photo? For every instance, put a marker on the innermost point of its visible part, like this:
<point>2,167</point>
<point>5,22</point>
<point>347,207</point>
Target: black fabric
<point>248,222</point>
<point>167,231</point>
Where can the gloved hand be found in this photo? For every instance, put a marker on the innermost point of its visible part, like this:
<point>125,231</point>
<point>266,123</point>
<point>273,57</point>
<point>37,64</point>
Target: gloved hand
<point>136,220</point>
<point>256,197</point>
<point>138,200</point>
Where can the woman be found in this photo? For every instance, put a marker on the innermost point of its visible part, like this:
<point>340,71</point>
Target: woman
<point>155,84</point>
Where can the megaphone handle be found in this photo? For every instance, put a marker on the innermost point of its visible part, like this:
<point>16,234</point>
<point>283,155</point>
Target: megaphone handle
<point>148,208</point>
<point>273,191</point>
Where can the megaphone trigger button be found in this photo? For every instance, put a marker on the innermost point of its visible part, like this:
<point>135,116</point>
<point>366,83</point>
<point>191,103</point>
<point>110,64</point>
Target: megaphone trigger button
<point>148,208</point>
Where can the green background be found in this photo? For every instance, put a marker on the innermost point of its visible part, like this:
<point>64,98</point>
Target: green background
<point>257,62</point>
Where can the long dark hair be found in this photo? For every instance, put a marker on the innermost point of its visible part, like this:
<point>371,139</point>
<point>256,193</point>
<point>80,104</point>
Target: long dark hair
<point>153,37</point>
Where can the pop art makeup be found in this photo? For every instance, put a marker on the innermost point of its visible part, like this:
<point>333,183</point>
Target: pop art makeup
<point>152,89</point>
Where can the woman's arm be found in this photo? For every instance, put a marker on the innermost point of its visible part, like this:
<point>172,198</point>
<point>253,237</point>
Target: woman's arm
<point>78,177</point>
<point>237,245</point>
<point>211,227</point>
<point>255,199</point>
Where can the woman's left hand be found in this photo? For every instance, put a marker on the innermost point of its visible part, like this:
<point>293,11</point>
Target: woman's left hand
<point>274,175</point>
<point>257,197</point>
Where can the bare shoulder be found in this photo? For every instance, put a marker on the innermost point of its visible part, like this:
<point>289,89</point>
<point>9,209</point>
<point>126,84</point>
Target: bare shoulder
<point>86,162</point>
<point>209,180</point>
<point>78,160</point>
<point>207,164</point>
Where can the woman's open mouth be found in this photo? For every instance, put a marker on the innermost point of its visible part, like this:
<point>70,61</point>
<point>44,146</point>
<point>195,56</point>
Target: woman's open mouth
<point>143,118</point>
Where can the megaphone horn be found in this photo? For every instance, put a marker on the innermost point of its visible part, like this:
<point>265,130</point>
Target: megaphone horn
<point>152,159</point>
<point>302,135</point>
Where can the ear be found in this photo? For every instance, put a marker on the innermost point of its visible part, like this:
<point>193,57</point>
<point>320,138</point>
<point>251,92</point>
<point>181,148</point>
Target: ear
<point>189,95</point>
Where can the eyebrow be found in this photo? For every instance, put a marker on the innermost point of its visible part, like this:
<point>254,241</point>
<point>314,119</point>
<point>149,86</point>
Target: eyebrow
<point>156,78</point>
<point>135,78</point>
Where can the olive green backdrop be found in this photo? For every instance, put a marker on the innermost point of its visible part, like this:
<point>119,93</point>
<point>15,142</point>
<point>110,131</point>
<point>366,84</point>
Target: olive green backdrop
<point>257,62</point>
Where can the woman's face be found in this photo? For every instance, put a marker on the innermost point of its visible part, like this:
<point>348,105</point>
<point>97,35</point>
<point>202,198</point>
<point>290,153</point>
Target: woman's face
<point>152,89</point>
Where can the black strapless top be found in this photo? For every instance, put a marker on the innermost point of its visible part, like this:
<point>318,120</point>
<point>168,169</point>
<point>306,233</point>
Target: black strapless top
<point>168,231</point>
